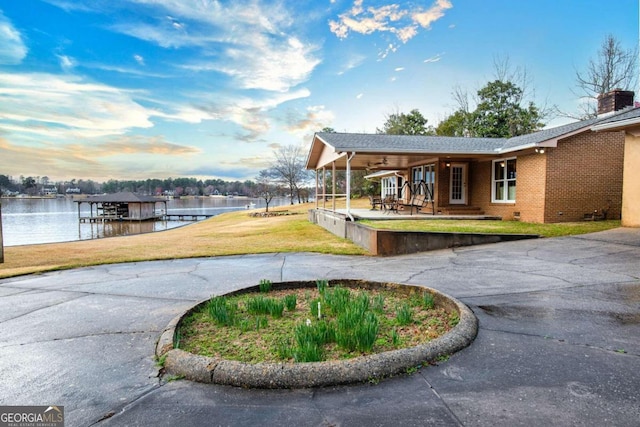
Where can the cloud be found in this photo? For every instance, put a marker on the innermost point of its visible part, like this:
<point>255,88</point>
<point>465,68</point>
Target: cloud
<point>252,43</point>
<point>124,70</point>
<point>315,119</point>
<point>27,160</point>
<point>241,169</point>
<point>91,161</point>
<point>66,62</point>
<point>249,113</point>
<point>353,62</point>
<point>139,59</point>
<point>429,16</point>
<point>434,58</point>
<point>12,48</point>
<point>391,18</point>
<point>268,65</point>
<point>135,144</point>
<point>68,104</point>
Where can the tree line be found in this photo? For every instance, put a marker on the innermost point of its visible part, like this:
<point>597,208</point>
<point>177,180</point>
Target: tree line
<point>169,186</point>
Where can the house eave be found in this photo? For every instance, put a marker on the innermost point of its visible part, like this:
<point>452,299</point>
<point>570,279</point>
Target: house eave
<point>631,126</point>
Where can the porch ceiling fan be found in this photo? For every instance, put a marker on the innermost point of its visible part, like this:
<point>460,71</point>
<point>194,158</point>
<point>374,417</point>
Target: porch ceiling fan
<point>383,162</point>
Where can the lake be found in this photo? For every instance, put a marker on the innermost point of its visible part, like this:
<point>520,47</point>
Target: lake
<point>27,221</point>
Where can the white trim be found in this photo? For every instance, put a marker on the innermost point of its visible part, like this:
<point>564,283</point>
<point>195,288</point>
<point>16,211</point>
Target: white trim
<point>617,124</point>
<point>505,180</point>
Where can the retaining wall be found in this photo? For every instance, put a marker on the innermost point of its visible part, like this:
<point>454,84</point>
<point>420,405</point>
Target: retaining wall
<point>391,242</point>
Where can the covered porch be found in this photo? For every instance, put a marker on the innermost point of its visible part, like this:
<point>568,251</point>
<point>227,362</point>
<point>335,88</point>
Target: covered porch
<point>417,176</point>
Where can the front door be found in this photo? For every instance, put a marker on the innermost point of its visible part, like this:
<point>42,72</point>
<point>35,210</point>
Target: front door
<point>458,184</point>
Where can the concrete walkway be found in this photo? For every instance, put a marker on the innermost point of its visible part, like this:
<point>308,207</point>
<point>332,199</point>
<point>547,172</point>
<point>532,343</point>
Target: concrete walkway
<point>559,340</point>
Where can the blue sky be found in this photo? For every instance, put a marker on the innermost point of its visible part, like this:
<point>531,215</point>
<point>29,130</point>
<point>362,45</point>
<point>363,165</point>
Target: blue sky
<point>135,89</point>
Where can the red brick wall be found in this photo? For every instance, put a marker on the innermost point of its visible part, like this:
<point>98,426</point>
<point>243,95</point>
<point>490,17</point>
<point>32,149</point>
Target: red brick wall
<point>529,197</point>
<point>584,173</point>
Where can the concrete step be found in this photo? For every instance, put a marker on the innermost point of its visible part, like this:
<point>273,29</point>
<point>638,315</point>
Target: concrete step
<point>460,210</point>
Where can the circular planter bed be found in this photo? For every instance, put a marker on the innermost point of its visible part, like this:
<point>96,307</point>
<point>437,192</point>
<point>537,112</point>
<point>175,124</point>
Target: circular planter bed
<point>287,374</point>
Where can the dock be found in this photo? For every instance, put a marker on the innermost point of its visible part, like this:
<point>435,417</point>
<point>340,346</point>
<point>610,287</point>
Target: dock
<point>186,217</point>
<point>163,217</point>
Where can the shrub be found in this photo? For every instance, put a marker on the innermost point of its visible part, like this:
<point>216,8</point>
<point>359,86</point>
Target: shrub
<point>322,285</point>
<point>222,311</point>
<point>283,349</point>
<point>314,304</point>
<point>404,314</point>
<point>262,305</point>
<point>308,352</point>
<point>427,300</point>
<point>261,322</point>
<point>265,285</point>
<point>395,338</point>
<point>356,330</point>
<point>258,305</point>
<point>337,299</point>
<point>275,307</point>
<point>378,304</point>
<point>310,339</point>
<point>290,302</point>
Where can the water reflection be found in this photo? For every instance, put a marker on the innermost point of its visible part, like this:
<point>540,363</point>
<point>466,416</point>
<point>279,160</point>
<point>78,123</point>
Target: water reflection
<point>31,221</point>
<point>120,228</point>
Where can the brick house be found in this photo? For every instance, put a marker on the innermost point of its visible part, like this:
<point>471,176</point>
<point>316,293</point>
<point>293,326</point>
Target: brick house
<point>629,123</point>
<point>553,175</point>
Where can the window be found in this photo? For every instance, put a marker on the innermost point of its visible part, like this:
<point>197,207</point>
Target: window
<point>389,186</point>
<point>503,180</point>
<point>423,179</point>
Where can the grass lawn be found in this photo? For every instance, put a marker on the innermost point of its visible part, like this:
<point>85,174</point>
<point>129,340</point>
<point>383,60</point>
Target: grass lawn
<point>501,227</point>
<point>232,233</point>
<point>237,233</point>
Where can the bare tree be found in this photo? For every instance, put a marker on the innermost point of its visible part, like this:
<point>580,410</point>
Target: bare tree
<point>289,168</point>
<point>613,68</point>
<point>267,186</point>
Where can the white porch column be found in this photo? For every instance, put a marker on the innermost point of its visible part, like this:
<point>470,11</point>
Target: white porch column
<point>333,185</point>
<point>349,157</point>
<point>317,174</point>
<point>324,187</point>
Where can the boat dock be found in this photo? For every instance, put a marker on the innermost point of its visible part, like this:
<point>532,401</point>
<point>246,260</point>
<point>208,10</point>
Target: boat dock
<point>185,217</point>
<point>163,217</point>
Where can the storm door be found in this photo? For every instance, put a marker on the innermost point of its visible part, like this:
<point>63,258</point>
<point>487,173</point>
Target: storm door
<point>458,184</point>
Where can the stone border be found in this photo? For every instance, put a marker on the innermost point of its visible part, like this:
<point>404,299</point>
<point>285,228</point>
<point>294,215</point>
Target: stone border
<point>315,374</point>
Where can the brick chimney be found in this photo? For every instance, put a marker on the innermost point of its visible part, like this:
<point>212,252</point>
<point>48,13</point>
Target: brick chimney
<point>615,100</point>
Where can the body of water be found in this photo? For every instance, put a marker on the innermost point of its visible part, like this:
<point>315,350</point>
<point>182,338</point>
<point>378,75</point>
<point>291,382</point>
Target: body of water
<point>27,221</point>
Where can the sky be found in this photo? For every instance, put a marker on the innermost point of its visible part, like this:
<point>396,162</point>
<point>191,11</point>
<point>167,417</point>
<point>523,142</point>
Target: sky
<point>137,89</point>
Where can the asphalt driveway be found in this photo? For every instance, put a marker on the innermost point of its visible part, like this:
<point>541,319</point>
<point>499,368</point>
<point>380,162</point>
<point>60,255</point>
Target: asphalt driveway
<point>559,339</point>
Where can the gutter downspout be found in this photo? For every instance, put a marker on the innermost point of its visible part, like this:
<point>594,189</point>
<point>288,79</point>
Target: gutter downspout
<point>349,157</point>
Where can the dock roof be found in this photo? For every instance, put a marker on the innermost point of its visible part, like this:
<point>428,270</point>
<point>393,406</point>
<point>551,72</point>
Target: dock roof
<point>122,197</point>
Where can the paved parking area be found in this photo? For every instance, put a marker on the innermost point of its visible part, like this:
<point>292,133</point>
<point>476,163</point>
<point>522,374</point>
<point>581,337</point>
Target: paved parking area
<point>559,339</point>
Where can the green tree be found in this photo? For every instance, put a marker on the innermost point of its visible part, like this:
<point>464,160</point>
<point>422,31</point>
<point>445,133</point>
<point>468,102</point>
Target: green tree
<point>457,124</point>
<point>500,114</point>
<point>413,123</point>
<point>29,185</point>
